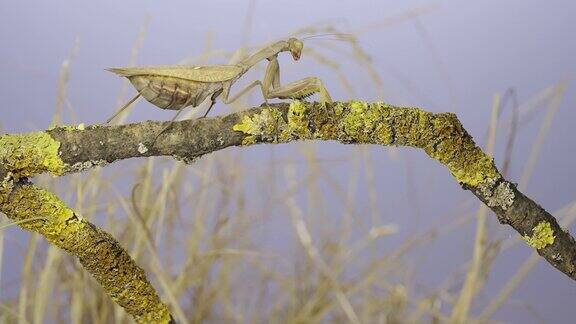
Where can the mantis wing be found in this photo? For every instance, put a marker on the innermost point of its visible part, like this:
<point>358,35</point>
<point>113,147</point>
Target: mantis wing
<point>211,73</point>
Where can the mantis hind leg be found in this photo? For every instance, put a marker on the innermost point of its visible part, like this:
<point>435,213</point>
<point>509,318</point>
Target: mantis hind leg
<point>123,107</point>
<point>172,120</point>
<point>167,127</point>
<point>213,101</point>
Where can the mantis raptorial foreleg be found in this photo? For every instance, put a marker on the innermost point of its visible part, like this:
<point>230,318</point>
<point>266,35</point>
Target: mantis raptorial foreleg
<point>227,100</point>
<point>302,89</point>
<point>271,87</point>
<point>272,75</point>
<point>295,90</point>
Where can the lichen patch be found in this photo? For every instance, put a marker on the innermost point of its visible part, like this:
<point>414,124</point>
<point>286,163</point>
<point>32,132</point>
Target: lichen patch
<point>542,236</point>
<point>265,125</point>
<point>142,149</point>
<point>81,166</point>
<point>185,159</point>
<point>503,196</point>
<point>29,154</point>
<point>30,202</point>
<point>441,136</point>
<point>298,123</point>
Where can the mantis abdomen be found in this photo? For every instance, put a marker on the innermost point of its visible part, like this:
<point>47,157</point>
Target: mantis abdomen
<point>173,93</point>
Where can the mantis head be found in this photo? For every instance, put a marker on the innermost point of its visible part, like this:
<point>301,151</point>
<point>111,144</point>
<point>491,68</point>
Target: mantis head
<point>295,47</point>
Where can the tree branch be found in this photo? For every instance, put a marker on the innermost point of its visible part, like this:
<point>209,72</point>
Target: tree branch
<point>98,252</point>
<point>41,211</point>
<point>441,136</point>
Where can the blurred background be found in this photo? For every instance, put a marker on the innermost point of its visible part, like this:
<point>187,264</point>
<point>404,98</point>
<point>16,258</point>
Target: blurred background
<point>302,232</point>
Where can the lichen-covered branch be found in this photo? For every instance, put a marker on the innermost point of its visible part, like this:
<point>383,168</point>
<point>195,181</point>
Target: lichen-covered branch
<point>441,136</point>
<point>43,212</point>
<point>98,252</point>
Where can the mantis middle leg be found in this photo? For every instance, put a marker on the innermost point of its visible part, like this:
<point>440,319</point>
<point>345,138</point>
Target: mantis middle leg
<point>272,71</point>
<point>301,89</point>
<point>295,90</point>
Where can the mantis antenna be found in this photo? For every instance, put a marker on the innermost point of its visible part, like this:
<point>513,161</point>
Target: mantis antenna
<point>342,37</point>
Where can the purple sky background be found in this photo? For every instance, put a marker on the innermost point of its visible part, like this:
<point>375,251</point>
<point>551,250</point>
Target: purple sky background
<point>477,48</point>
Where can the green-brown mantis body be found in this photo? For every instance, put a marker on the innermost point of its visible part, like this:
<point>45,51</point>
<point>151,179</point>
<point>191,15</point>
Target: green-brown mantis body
<point>177,87</point>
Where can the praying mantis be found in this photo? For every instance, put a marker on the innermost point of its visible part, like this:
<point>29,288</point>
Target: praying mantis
<point>179,86</point>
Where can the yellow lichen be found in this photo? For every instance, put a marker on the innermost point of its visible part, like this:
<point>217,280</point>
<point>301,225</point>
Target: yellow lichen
<point>247,126</point>
<point>542,236</point>
<point>360,121</point>
<point>457,150</point>
<point>249,140</point>
<point>29,202</point>
<point>440,135</point>
<point>26,155</point>
<point>265,125</point>
<point>269,125</point>
<point>475,169</point>
<point>159,314</point>
<point>297,121</point>
<point>384,134</point>
<point>98,252</point>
